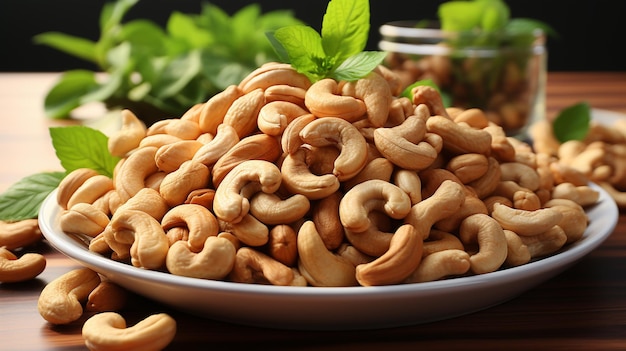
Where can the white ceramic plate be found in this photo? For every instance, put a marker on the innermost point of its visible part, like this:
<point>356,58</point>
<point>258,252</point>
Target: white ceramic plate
<point>344,308</point>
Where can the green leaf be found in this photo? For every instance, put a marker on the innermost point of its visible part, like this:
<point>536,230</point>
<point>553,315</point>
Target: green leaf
<point>304,47</point>
<point>177,74</point>
<point>113,13</point>
<point>184,27</point>
<point>69,44</point>
<point>23,199</point>
<point>359,65</point>
<point>345,28</point>
<point>68,92</point>
<point>572,123</point>
<point>457,16</point>
<point>83,147</point>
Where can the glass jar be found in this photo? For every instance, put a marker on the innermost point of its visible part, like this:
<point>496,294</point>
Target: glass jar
<point>502,74</point>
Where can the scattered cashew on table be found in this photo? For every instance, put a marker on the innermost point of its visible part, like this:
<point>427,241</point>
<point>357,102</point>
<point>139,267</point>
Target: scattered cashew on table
<point>282,181</point>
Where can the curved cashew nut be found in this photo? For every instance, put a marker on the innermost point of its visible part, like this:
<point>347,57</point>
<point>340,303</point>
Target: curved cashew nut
<point>375,92</point>
<point>517,252</point>
<point>71,182</point>
<point>574,221</point>
<point>357,203</point>
<point>459,138</point>
<point>107,296</point>
<point>214,260</point>
<point>323,99</point>
<point>224,140</point>
<point>214,110</point>
<point>177,185</point>
<point>325,216</point>
<point>440,264</point>
<point>406,153</point>
<point>250,264</point>
<point>14,235</point>
<point>545,243</point>
<point>149,243</point>
<point>92,189</point>
<point>248,230</point>
<point>271,74</point>
<point>60,301</point>
<point>583,195</point>
<point>271,209</point>
<point>526,223</point>
<point>108,331</point>
<point>430,97</point>
<point>131,176</point>
<point>242,114</point>
<point>169,157</point>
<point>492,243</point>
<point>378,168</point>
<point>158,140</point>
<point>275,116</point>
<point>298,178</point>
<point>147,200</point>
<point>285,92</point>
<point>485,185</point>
<point>83,218</point>
<point>410,182</point>
<point>229,204</point>
<point>474,117</point>
<point>319,266</point>
<point>343,135</point>
<point>133,130</point>
<point>26,267</point>
<point>520,173</point>
<point>438,240</point>
<point>468,167</point>
<point>395,265</point>
<point>290,141</point>
<point>198,220</point>
<point>181,128</point>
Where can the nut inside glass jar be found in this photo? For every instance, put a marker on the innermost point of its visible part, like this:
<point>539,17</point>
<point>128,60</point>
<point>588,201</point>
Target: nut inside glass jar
<point>501,73</point>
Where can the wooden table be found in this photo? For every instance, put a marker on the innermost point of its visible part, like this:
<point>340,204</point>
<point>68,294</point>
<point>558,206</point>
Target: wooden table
<point>583,308</point>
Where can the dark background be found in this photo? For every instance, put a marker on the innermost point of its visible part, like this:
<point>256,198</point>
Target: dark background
<point>592,32</point>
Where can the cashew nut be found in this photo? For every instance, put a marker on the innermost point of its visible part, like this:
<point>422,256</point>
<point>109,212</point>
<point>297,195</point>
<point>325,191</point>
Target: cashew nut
<point>176,186</point>
<point>107,296</point>
<point>459,138</point>
<point>492,243</point>
<point>224,140</point>
<point>526,223</point>
<point>439,265</point>
<point>243,113</point>
<point>282,244</point>
<point>323,99</point>
<point>126,139</point>
<point>70,183</point>
<point>375,92</point>
<point>213,260</point>
<point>214,110</point>
<point>275,116</point>
<point>14,269</point>
<point>298,178</point>
<point>272,209</point>
<point>60,301</point>
<point>169,157</point>
<point>14,235</point>
<point>252,266</point>
<point>107,331</point>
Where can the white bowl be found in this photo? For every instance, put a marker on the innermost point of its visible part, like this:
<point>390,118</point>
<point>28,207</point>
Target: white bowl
<point>341,308</point>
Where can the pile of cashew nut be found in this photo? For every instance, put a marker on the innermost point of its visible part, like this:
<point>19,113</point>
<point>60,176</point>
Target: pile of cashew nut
<point>281,181</point>
<point>600,157</point>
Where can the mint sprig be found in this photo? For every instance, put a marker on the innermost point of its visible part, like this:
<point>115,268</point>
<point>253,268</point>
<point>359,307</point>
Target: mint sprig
<point>336,52</point>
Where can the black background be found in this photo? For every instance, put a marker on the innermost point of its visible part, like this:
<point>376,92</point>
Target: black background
<point>592,32</point>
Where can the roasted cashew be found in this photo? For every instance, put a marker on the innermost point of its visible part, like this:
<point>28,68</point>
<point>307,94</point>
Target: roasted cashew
<point>229,204</point>
<point>14,269</point>
<point>545,243</point>
<point>439,265</point>
<point>543,138</point>
<point>474,117</point>
<point>92,189</point>
<point>520,173</point>
<point>214,110</point>
<point>397,263</point>
<point>158,140</point>
<point>357,203</point>
<point>459,138</point>
<point>224,140</point>
<point>375,92</point>
<point>282,244</point>
<point>169,157</point>
<point>181,128</point>
<point>253,147</point>
<point>323,99</point>
<point>438,240</point>
<point>415,153</point>
<point>203,197</point>
<point>271,74</point>
<point>105,297</point>
<point>14,235</point>
<point>378,168</point>
<point>131,176</point>
<point>338,132</point>
<point>198,220</point>
<point>252,266</point>
<point>526,223</point>
<point>320,266</point>
<point>285,92</point>
<point>290,141</point>
<point>485,231</point>
<point>325,215</point>
<point>148,241</point>
<point>410,182</point>
<point>70,183</point>
<point>191,175</point>
<point>126,139</point>
<point>430,97</point>
<point>298,178</point>
<point>248,230</point>
<point>107,331</point>
<point>444,202</point>
<point>272,209</point>
<point>242,114</point>
<point>83,218</point>
<point>502,146</point>
<point>60,301</point>
<point>214,260</point>
<point>485,185</point>
<point>274,116</point>
<point>147,200</point>
<point>468,167</point>
<point>583,195</point>
<point>574,221</point>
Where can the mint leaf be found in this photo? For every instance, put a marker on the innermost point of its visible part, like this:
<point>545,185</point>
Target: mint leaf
<point>83,147</point>
<point>69,44</point>
<point>68,92</point>
<point>345,28</point>
<point>572,123</point>
<point>23,199</point>
<point>304,47</point>
<point>358,66</point>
